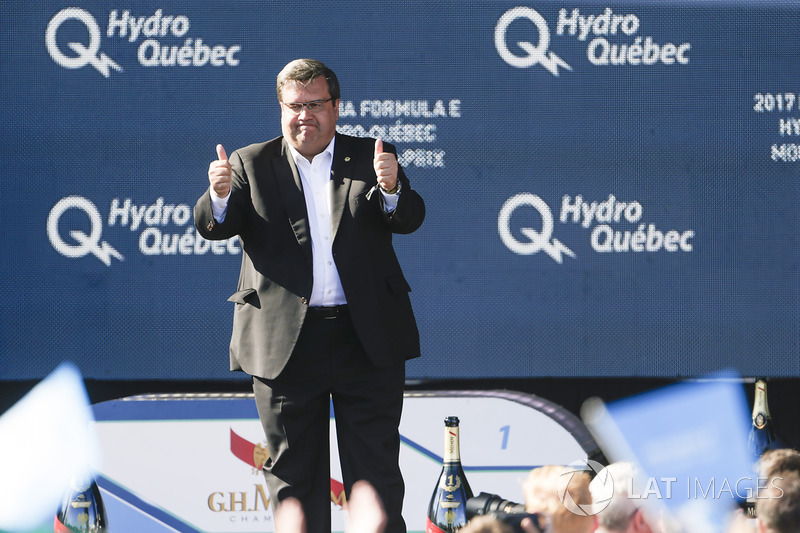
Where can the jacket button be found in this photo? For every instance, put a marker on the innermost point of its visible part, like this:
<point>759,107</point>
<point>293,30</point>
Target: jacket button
<point>304,300</point>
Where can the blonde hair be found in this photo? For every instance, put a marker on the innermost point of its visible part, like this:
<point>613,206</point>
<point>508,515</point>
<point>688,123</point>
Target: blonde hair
<point>778,506</point>
<point>541,490</point>
<point>486,524</point>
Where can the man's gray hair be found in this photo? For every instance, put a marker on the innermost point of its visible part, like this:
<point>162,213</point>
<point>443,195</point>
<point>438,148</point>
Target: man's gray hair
<point>618,514</point>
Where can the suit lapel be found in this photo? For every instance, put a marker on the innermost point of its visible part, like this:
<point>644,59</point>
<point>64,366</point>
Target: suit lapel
<point>341,172</point>
<point>291,188</point>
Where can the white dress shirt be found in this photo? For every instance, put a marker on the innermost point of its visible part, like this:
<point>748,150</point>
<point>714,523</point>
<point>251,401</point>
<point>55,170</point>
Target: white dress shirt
<point>317,188</point>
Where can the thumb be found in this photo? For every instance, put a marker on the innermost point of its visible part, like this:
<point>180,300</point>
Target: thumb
<point>378,147</point>
<point>221,153</point>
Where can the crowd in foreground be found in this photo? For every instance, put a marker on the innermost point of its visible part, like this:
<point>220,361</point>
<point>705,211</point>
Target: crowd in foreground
<point>777,507</point>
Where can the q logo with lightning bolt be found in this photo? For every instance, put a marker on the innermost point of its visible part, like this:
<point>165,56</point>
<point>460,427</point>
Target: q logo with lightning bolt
<point>84,244</point>
<point>537,240</point>
<point>534,54</point>
<point>87,54</point>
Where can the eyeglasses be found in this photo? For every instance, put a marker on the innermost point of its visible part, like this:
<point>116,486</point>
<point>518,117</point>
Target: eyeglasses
<point>314,106</point>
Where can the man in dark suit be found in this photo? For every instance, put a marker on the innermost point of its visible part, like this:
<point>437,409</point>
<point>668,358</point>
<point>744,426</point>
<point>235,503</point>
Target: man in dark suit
<point>322,311</point>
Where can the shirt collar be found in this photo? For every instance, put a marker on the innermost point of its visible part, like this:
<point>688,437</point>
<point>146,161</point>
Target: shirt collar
<point>298,157</point>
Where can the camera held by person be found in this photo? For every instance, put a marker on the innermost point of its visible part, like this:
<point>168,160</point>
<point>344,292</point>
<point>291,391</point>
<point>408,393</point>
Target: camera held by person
<point>506,511</point>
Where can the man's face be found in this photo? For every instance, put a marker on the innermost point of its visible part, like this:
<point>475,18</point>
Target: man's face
<point>309,132</point>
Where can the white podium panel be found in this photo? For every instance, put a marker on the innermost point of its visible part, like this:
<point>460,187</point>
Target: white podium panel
<point>191,463</point>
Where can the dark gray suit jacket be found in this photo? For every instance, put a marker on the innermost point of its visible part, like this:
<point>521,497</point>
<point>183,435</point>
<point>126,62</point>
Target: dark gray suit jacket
<point>267,210</point>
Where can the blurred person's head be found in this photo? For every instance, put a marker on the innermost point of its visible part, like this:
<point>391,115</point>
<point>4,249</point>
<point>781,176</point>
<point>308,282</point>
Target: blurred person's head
<point>541,490</point>
<point>778,505</point>
<point>780,460</point>
<point>622,514</point>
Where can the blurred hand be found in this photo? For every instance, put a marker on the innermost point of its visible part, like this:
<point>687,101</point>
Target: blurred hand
<point>528,526</point>
<point>289,517</point>
<point>365,510</point>
<point>740,523</point>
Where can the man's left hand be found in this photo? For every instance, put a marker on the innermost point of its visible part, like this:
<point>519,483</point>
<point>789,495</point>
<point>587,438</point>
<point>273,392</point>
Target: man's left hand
<point>385,164</point>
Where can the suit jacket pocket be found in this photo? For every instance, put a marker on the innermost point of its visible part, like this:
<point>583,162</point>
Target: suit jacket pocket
<point>247,296</point>
<point>368,201</point>
<point>398,284</point>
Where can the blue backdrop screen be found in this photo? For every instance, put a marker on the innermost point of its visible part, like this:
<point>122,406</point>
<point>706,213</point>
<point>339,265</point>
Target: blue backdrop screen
<point>612,187</point>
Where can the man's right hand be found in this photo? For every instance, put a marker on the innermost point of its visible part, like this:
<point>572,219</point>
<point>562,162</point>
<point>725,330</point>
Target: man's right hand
<point>219,173</point>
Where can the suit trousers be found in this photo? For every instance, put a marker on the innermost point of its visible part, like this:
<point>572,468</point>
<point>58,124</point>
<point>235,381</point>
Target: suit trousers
<point>328,365</point>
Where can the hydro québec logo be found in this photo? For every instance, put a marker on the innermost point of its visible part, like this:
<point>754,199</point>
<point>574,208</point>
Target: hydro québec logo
<point>158,36</point>
<point>615,226</point>
<point>160,228</point>
<point>613,40</point>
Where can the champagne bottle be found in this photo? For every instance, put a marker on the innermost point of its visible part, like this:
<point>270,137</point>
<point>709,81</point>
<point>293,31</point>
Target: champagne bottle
<point>762,432</point>
<point>83,509</point>
<point>447,508</point>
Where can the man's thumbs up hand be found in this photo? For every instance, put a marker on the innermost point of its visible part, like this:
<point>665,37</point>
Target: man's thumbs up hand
<point>221,155</point>
<point>219,173</point>
<point>385,164</point>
